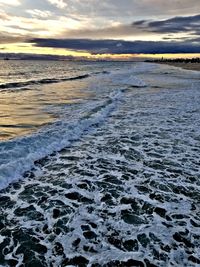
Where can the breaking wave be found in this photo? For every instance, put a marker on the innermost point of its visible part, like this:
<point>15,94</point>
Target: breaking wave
<point>19,155</point>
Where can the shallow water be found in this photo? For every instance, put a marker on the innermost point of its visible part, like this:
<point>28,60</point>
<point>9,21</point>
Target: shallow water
<point>33,93</point>
<point>114,182</point>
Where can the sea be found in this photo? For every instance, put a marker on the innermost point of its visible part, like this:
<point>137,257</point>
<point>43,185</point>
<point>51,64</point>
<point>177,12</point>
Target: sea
<point>99,164</point>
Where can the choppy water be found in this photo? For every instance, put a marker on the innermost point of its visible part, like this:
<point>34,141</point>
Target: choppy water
<point>111,178</point>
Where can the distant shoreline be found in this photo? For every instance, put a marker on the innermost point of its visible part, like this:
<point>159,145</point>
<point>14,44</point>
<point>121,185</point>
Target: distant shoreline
<point>183,65</point>
<point>186,64</point>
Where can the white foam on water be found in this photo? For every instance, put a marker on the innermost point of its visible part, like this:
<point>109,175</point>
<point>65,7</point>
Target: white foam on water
<point>136,159</point>
<point>134,81</point>
<point>19,155</point>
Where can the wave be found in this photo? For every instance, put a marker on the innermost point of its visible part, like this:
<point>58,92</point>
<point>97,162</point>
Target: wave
<point>127,79</point>
<point>41,81</point>
<point>15,85</point>
<point>134,82</point>
<point>19,155</point>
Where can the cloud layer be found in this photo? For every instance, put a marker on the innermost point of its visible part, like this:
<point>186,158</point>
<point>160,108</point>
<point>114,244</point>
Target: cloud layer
<point>10,2</point>
<point>58,3</point>
<point>101,27</point>
<point>188,25</point>
<point>173,25</point>
<point>118,46</point>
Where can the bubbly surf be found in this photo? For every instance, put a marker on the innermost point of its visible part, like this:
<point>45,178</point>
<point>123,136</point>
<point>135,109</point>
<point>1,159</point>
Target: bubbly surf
<point>113,179</point>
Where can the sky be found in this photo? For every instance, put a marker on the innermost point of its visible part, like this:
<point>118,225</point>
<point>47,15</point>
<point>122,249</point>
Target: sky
<point>118,29</point>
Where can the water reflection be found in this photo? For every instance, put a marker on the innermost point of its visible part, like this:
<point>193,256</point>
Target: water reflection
<point>23,111</point>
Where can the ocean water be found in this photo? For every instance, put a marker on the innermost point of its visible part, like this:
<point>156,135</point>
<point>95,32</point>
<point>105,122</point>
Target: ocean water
<point>99,164</point>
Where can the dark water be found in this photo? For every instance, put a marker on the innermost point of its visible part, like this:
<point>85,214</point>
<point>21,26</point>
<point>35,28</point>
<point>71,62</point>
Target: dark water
<point>117,182</point>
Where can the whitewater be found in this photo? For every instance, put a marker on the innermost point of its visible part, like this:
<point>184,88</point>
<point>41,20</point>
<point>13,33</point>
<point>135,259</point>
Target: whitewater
<point>99,164</point>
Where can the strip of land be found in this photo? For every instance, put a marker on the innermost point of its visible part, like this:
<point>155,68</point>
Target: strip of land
<point>187,66</point>
<point>185,63</point>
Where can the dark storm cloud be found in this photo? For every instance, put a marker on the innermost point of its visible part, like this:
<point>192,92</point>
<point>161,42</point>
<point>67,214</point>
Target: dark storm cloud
<point>172,25</point>
<point>139,22</point>
<point>195,40</point>
<point>118,46</point>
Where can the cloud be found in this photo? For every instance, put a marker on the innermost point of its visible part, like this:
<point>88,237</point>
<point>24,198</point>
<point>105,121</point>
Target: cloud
<point>118,46</point>
<point>6,39</point>
<point>58,3</point>
<point>169,7</point>
<point>39,25</point>
<point>4,16</point>
<point>39,13</point>
<point>172,25</point>
<point>154,29</point>
<point>118,9</point>
<point>10,2</point>
<point>195,40</point>
<point>127,9</point>
<point>115,31</point>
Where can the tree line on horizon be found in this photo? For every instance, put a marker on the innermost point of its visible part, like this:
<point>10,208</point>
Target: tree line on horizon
<point>176,60</point>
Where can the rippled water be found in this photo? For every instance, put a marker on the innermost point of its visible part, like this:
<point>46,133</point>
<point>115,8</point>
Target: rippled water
<point>113,180</point>
<point>34,93</point>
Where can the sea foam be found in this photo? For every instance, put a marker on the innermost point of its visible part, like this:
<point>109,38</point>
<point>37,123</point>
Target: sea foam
<point>19,155</point>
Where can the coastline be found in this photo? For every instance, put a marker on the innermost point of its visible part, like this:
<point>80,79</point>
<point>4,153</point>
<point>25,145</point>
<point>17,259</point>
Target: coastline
<point>183,65</point>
